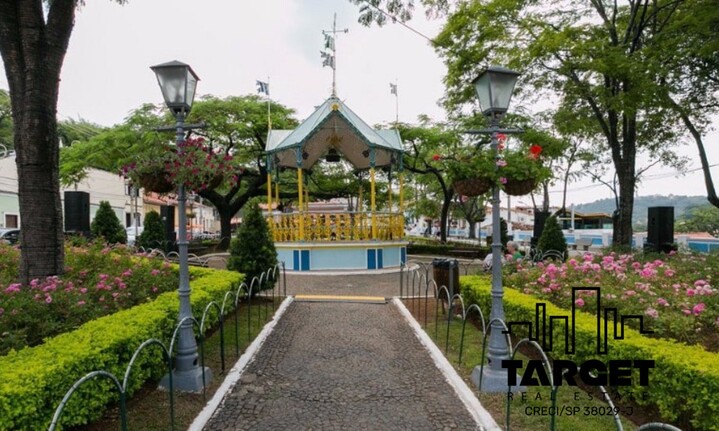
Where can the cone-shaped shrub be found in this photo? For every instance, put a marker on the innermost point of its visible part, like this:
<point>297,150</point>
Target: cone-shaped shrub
<point>153,234</point>
<point>107,225</point>
<point>552,237</point>
<point>252,252</point>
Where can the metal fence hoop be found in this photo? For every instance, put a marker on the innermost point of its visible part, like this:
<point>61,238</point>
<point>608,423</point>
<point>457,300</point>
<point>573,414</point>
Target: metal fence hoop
<point>177,330</point>
<point>464,325</point>
<point>615,413</point>
<point>484,344</point>
<point>548,368</point>
<point>77,384</point>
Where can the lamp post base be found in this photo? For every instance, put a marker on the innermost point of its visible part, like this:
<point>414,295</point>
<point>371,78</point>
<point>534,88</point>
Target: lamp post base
<point>494,381</point>
<point>186,381</point>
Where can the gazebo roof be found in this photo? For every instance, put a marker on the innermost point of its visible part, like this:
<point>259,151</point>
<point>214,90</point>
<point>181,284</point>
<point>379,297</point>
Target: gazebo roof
<point>334,126</point>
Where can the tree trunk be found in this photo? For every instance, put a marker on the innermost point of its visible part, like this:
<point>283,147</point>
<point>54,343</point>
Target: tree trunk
<point>33,52</point>
<point>472,228</point>
<point>623,228</point>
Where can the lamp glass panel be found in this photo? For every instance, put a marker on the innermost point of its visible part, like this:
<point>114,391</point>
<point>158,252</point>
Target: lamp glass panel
<point>172,82</point>
<point>502,85</point>
<point>481,86</point>
<point>190,90</point>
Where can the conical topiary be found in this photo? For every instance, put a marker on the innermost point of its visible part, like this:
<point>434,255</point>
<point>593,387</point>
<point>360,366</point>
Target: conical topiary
<point>552,237</point>
<point>252,252</point>
<point>153,233</point>
<point>107,225</point>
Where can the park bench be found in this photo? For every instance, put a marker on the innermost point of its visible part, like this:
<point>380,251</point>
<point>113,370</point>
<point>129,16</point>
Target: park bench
<point>585,243</point>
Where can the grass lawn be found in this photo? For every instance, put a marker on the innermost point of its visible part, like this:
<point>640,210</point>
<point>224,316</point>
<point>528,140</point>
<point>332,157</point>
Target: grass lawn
<point>526,412</point>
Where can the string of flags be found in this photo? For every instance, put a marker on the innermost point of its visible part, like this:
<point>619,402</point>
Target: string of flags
<point>393,88</point>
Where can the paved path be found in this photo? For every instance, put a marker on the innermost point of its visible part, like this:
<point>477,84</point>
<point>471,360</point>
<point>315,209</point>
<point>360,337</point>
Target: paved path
<point>342,366</point>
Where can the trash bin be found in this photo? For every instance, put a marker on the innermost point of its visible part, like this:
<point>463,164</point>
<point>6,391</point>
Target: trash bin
<point>441,275</point>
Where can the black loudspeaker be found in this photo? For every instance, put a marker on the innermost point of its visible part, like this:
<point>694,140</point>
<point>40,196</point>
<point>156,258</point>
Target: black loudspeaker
<point>539,218</point>
<point>77,212</point>
<point>167,214</point>
<point>660,229</point>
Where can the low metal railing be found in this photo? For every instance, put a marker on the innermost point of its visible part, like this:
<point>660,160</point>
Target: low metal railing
<point>326,227</point>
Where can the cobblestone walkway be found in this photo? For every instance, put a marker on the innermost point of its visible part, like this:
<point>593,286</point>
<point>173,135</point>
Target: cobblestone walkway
<point>342,366</point>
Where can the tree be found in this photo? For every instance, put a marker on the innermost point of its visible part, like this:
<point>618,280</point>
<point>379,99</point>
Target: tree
<point>34,37</point>
<point>252,252</point>
<point>699,219</point>
<point>552,237</point>
<point>473,210</point>
<point>425,146</point>
<point>153,233</point>
<point>107,225</point>
<point>603,62</point>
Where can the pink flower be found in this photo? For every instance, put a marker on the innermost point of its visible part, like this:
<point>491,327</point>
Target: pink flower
<point>81,303</point>
<point>155,272</point>
<point>669,273</point>
<point>700,283</point>
<point>686,312</point>
<point>651,312</point>
<point>697,310</point>
<point>15,287</point>
<point>691,292</point>
<point>579,302</point>
<point>663,302</point>
<point>127,273</point>
<point>501,163</point>
<point>83,290</point>
<point>48,299</point>
<point>503,180</point>
<point>154,289</point>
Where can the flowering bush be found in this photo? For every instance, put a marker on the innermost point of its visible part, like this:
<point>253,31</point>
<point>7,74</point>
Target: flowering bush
<point>192,163</point>
<point>676,293</point>
<point>520,163</point>
<point>97,281</point>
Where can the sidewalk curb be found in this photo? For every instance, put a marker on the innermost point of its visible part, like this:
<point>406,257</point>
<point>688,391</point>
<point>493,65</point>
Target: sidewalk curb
<point>475,408</point>
<point>233,376</point>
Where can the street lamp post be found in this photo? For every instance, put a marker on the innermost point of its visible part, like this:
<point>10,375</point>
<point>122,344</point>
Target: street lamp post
<point>494,88</point>
<point>178,83</point>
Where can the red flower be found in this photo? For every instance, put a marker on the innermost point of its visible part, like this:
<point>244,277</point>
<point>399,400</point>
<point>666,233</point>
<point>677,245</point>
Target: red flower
<point>501,137</point>
<point>436,157</point>
<point>535,151</point>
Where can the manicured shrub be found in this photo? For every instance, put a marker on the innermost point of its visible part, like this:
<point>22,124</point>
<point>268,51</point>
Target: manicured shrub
<point>107,225</point>
<point>153,234</point>
<point>252,252</point>
<point>552,237</point>
<point>34,380</point>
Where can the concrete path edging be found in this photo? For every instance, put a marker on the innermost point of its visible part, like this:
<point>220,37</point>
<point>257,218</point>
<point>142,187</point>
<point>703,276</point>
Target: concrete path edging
<point>475,408</point>
<point>233,376</point>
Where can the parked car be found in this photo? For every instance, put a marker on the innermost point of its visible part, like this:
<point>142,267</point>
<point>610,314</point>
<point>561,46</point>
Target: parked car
<point>9,236</point>
<point>130,230</point>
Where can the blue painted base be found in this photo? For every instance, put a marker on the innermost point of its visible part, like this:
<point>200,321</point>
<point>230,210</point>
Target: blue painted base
<point>365,255</point>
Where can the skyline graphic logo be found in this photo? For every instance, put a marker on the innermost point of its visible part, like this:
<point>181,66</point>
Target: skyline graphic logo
<point>593,372</point>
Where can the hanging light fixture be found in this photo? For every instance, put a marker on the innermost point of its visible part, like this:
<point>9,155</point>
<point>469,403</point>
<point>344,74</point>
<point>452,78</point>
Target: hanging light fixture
<point>333,156</point>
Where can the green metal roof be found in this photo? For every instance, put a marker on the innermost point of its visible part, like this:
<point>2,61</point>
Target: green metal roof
<point>333,125</point>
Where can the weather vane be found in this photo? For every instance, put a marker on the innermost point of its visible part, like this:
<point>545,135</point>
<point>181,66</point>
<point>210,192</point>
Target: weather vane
<point>330,59</point>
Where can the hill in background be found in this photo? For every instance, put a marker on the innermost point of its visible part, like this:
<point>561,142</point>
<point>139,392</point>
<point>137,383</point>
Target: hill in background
<point>641,204</point>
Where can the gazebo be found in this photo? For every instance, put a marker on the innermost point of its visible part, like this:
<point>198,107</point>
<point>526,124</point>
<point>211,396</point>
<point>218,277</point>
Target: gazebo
<point>340,240</point>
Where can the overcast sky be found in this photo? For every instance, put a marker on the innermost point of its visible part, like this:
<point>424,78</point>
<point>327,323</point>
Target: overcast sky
<point>231,44</point>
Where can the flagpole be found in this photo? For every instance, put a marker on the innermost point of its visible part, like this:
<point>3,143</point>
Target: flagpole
<point>396,103</point>
<point>269,118</point>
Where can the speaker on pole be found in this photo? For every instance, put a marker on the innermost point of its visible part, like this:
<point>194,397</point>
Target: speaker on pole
<point>660,229</point>
<point>77,213</point>
<point>167,214</point>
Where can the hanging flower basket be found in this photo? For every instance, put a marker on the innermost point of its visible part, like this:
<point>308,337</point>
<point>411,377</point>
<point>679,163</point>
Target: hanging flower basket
<point>519,187</point>
<point>156,182</point>
<point>472,186</point>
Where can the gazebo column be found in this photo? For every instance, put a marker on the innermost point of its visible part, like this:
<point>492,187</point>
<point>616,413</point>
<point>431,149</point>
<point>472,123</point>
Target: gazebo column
<point>373,202</point>
<point>300,207</point>
<point>401,201</point>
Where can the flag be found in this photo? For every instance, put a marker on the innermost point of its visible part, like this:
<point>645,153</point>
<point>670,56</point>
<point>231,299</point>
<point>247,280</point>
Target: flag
<point>263,87</point>
<point>329,42</point>
<point>393,88</point>
<point>327,60</point>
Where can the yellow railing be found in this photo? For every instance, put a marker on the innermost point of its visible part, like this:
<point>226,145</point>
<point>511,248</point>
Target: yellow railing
<point>350,226</point>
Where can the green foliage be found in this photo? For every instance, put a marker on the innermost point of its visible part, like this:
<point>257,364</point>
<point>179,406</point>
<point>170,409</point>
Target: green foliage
<point>6,135</point>
<point>503,232</point>
<point>703,218</point>
<point>107,225</point>
<point>681,386</point>
<point>35,379</point>
<point>252,252</point>
<point>552,237</point>
<point>153,233</point>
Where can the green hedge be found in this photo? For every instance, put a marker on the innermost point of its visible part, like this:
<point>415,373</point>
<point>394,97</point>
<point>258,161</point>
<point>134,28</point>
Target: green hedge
<point>683,385</point>
<point>34,380</point>
<point>447,249</point>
